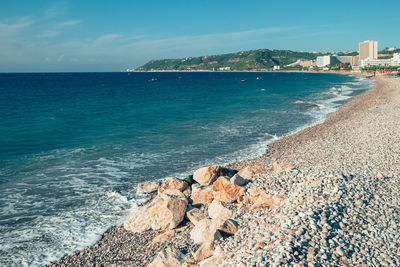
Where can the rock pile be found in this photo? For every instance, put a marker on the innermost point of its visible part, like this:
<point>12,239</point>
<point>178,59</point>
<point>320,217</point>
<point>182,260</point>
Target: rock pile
<point>205,204</point>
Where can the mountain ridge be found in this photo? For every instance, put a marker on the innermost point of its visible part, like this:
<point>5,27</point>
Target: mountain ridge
<point>243,60</point>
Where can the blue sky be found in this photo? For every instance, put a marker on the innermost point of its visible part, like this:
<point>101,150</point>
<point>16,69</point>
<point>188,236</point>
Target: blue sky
<point>96,35</point>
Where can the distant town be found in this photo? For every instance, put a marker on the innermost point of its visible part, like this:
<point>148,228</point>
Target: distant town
<point>368,58</point>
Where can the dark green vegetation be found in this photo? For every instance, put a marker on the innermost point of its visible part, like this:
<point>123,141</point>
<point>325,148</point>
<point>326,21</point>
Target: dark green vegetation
<point>260,59</point>
<point>382,68</point>
<point>189,180</point>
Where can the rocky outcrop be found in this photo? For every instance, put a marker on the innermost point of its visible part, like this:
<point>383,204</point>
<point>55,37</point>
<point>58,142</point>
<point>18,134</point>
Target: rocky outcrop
<point>201,194</point>
<point>225,191</point>
<point>205,231</point>
<point>173,183</point>
<point>207,175</point>
<point>147,187</point>
<point>165,211</point>
<point>250,171</point>
<point>168,258</point>
<point>217,211</point>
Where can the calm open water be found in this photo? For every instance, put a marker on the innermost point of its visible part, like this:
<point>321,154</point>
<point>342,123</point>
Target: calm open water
<point>73,146</point>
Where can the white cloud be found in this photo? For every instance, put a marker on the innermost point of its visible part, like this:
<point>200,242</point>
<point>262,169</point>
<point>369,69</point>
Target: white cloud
<point>55,9</point>
<point>47,34</point>
<point>105,39</point>
<point>69,23</point>
<point>13,28</point>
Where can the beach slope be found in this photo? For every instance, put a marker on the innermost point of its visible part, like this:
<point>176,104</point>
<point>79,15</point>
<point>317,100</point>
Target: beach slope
<point>340,202</point>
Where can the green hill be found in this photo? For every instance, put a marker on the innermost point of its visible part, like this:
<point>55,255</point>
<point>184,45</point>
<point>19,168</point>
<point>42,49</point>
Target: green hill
<point>244,60</point>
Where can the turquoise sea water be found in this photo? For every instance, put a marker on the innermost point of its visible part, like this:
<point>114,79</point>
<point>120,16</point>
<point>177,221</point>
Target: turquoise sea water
<point>73,146</point>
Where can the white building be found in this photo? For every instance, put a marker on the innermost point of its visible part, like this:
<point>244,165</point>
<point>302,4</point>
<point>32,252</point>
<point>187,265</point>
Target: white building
<point>323,61</point>
<point>277,67</point>
<point>394,61</point>
<point>344,59</point>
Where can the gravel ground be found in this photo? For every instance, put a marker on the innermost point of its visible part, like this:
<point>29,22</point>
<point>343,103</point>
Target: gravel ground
<point>342,205</point>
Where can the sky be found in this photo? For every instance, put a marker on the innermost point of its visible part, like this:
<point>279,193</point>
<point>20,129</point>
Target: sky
<point>97,35</point>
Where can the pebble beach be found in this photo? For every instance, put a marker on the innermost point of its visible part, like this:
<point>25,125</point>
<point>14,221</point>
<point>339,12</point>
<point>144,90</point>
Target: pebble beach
<point>339,200</point>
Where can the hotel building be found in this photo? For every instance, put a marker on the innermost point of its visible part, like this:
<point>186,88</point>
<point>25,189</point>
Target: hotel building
<point>368,49</point>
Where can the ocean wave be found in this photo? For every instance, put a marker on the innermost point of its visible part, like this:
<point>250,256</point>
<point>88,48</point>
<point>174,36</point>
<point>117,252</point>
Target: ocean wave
<point>48,238</point>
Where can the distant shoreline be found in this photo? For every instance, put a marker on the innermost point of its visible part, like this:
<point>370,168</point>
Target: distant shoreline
<point>250,71</point>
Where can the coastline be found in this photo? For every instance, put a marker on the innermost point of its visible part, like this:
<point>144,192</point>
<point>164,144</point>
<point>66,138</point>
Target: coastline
<point>115,246</point>
<point>356,73</point>
<point>284,146</point>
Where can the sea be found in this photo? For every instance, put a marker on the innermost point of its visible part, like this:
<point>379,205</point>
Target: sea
<point>74,146</point>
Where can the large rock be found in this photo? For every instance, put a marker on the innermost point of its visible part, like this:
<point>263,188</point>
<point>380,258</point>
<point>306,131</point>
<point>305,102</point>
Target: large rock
<point>228,226</point>
<point>165,211</point>
<point>201,194</point>
<point>147,187</point>
<point>217,258</point>
<point>195,215</point>
<point>173,183</point>
<point>265,200</point>
<point>252,196</point>
<point>205,231</point>
<point>282,166</point>
<point>168,258</point>
<point>204,251</point>
<point>250,171</point>
<point>225,191</point>
<point>217,211</point>
<point>207,175</point>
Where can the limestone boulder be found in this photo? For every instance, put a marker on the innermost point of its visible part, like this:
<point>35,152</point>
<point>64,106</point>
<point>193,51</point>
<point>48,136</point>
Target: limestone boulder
<point>173,183</point>
<point>265,200</point>
<point>282,166</point>
<point>195,215</point>
<point>147,187</point>
<point>217,258</point>
<point>201,194</point>
<point>250,171</point>
<point>217,211</point>
<point>205,251</point>
<point>205,231</point>
<point>225,191</point>
<point>165,211</point>
<point>207,175</point>
<point>168,258</point>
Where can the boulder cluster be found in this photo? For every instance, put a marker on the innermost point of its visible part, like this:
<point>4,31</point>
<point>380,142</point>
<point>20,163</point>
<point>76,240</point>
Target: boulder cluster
<point>206,202</point>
